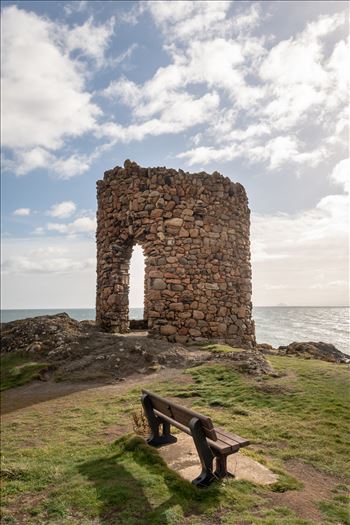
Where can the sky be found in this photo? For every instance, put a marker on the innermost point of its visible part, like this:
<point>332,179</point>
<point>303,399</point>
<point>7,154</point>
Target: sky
<point>255,90</point>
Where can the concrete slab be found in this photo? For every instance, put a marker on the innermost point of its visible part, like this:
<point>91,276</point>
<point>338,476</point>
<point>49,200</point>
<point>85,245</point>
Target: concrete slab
<point>182,457</point>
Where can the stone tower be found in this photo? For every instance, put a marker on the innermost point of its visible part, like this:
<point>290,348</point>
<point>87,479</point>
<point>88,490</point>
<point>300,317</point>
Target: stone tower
<point>194,231</point>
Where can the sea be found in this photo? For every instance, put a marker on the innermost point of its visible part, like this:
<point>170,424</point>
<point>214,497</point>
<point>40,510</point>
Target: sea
<point>275,325</point>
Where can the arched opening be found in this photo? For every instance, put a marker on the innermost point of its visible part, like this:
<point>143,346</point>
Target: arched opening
<point>137,313</point>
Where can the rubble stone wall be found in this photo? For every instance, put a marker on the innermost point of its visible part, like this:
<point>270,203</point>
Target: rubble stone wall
<point>194,231</point>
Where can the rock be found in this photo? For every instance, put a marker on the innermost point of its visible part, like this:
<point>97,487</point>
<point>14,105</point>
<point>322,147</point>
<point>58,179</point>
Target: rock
<point>158,284</point>
<point>248,362</point>
<point>197,314</point>
<point>194,332</point>
<point>34,347</point>
<point>266,348</point>
<point>168,330</point>
<point>313,350</point>
<point>176,222</point>
<point>44,334</point>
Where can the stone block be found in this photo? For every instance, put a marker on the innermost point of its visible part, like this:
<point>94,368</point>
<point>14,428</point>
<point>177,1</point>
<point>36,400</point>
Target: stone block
<point>158,284</point>
<point>168,329</point>
<point>197,314</point>
<point>175,222</point>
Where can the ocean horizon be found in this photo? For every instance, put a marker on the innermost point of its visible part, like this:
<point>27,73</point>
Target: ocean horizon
<point>275,325</point>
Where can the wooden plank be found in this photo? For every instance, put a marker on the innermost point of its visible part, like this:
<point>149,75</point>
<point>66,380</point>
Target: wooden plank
<point>184,416</point>
<point>220,446</point>
<point>162,405</point>
<point>173,422</point>
<point>222,433</point>
<point>227,439</point>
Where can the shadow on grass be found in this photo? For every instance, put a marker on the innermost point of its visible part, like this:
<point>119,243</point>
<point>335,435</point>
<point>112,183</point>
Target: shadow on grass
<point>135,486</point>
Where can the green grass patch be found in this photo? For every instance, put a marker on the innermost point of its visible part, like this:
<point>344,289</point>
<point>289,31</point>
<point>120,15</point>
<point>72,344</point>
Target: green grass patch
<point>17,369</point>
<point>337,509</point>
<point>216,347</point>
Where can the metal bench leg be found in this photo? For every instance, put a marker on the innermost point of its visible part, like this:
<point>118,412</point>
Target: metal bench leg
<point>221,467</point>
<point>204,453</point>
<point>154,423</point>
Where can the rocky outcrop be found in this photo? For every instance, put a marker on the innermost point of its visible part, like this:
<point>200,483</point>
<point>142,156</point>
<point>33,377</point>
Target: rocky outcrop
<point>42,334</point>
<point>313,350</point>
<point>194,231</point>
<point>247,361</point>
<point>79,351</point>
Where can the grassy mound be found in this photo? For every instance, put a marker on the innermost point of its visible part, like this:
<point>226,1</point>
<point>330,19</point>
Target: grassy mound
<point>17,369</point>
<point>61,465</point>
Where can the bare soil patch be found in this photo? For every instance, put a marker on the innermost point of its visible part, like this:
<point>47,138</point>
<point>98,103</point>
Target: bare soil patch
<point>317,486</point>
<point>43,392</point>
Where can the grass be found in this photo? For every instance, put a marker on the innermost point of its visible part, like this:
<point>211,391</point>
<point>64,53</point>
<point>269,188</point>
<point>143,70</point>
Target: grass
<point>60,466</point>
<point>17,369</point>
<point>215,347</point>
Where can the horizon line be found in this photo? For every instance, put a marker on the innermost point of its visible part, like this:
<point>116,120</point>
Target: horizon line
<point>142,307</point>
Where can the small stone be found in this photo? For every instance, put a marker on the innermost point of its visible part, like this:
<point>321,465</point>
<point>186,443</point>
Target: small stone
<point>183,233</point>
<point>158,284</point>
<point>197,314</point>
<point>175,222</point>
<point>168,329</point>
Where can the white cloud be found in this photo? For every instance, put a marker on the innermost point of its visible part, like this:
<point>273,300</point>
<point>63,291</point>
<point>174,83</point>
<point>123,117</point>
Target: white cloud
<point>46,265</point>
<point>62,269</point>
<point>275,152</point>
<point>22,212</point>
<point>64,168</point>
<point>80,225</point>
<point>39,231</point>
<point>63,209</point>
<point>44,99</point>
<point>249,19</point>
<point>71,166</point>
<point>182,112</point>
<point>76,6</point>
<point>92,40</point>
<point>341,174</point>
<point>28,160</point>
<point>292,88</point>
<point>185,20</point>
<point>284,149</point>
<point>290,250</point>
<point>53,103</point>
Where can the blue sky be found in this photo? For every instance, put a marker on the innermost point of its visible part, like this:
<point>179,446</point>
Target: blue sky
<point>255,90</point>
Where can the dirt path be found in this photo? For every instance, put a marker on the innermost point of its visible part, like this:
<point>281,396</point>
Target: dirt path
<point>317,487</point>
<point>41,392</point>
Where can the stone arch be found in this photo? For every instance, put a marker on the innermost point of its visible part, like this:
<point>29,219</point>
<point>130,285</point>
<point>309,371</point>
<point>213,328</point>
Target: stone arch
<point>194,231</point>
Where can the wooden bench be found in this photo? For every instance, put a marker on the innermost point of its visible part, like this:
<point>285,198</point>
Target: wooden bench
<point>210,442</point>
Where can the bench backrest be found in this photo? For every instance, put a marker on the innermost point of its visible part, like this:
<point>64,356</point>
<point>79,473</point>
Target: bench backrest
<point>180,416</point>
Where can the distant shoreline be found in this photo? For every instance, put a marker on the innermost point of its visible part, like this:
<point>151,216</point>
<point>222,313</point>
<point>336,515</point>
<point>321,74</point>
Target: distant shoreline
<point>275,325</point>
<point>141,307</point>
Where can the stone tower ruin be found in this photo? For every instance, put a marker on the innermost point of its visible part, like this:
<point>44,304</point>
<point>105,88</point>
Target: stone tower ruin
<point>194,231</point>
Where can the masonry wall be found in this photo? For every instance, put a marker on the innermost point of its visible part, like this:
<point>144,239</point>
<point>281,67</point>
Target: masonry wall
<point>194,231</point>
